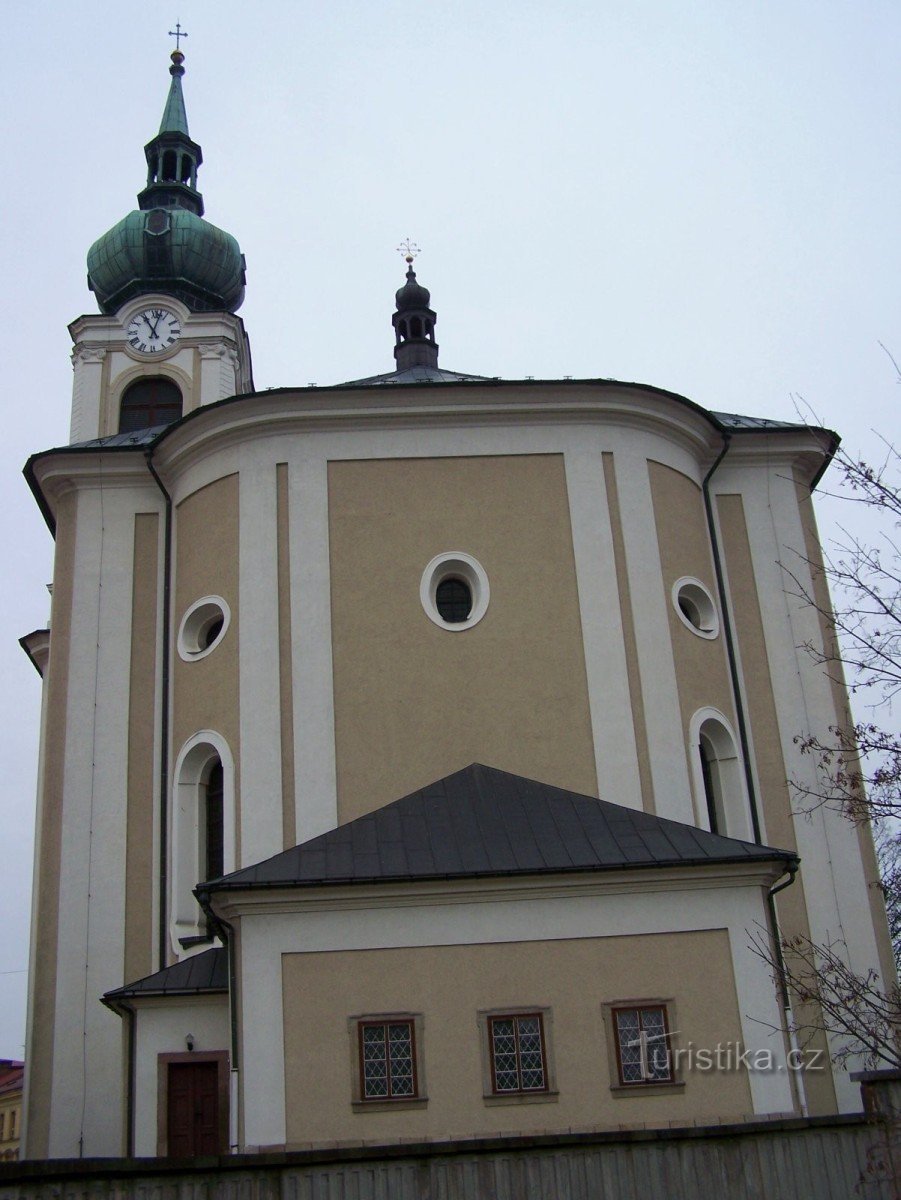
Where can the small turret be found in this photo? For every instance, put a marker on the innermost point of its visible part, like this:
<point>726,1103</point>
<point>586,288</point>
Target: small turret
<point>414,322</point>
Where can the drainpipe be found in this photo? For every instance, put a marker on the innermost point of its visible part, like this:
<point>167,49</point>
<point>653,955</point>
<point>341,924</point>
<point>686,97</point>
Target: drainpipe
<point>730,641</point>
<point>729,636</point>
<point>797,1075</point>
<point>164,717</point>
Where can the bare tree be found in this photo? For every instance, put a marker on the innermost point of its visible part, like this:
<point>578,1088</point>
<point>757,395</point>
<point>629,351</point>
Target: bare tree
<point>863,1016</point>
<point>888,851</point>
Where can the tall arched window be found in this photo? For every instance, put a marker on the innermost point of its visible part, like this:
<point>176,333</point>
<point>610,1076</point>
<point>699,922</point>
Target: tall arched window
<point>212,863</point>
<point>719,782</point>
<point>202,832</point>
<point>149,402</point>
<point>713,790</point>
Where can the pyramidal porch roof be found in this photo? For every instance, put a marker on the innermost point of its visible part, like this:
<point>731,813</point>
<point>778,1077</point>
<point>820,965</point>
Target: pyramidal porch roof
<point>201,973</point>
<point>484,822</point>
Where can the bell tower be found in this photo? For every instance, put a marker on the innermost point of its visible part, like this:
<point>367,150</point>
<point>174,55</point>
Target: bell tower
<point>168,284</point>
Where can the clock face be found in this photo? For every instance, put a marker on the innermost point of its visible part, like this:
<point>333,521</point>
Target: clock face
<point>153,330</point>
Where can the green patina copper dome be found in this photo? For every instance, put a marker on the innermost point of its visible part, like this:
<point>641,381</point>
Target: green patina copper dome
<point>165,245</point>
<point>188,258</point>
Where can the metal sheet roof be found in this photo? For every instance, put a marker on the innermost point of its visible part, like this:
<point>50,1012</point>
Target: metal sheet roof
<point>206,972</point>
<point>416,375</point>
<point>480,822</point>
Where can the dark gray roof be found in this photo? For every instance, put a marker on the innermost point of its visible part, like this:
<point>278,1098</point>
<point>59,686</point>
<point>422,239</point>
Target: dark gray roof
<point>416,375</point>
<point>206,972</point>
<point>138,437</point>
<point>481,821</point>
<point>737,421</point>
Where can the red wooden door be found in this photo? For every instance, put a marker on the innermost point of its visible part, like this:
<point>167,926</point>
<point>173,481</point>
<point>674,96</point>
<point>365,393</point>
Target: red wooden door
<point>193,1109</point>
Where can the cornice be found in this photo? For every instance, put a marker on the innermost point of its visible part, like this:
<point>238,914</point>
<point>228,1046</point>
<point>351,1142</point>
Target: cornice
<point>278,413</point>
<point>234,904</point>
<point>37,646</point>
<point>55,474</point>
<point>227,423</point>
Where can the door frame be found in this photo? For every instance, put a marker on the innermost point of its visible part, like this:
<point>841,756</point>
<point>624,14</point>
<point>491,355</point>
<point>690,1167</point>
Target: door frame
<point>220,1057</point>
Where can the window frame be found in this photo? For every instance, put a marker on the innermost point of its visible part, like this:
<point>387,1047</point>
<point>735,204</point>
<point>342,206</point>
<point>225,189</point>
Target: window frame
<point>646,1086</point>
<point>149,411</point>
<point>490,1094</point>
<point>360,1102</point>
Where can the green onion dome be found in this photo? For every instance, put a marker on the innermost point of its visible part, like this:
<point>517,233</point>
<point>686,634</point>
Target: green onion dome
<point>165,245</point>
<point>169,250</point>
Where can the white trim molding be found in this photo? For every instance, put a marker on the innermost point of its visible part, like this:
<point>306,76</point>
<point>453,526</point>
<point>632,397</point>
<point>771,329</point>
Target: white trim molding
<point>186,918</point>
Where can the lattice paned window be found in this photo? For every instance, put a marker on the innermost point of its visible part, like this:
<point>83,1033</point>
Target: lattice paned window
<point>387,1060</point>
<point>516,1047</point>
<point>642,1045</point>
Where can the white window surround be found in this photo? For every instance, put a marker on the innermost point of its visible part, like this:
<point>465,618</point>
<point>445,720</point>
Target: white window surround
<point>731,796</point>
<point>197,620</point>
<point>692,595</point>
<point>455,564</point>
<point>197,755</point>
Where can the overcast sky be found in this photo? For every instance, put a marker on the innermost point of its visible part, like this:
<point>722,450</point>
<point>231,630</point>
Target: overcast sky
<point>701,196</point>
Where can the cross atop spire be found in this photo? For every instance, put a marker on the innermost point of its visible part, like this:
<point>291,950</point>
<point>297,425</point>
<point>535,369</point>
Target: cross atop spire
<point>178,34</point>
<point>409,250</point>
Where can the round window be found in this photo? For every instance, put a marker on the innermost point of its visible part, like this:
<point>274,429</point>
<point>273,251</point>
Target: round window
<point>203,627</point>
<point>454,590</point>
<point>695,607</point>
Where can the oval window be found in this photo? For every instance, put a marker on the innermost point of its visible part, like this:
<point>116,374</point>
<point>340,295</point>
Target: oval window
<point>454,590</point>
<point>203,627</point>
<point>695,607</point>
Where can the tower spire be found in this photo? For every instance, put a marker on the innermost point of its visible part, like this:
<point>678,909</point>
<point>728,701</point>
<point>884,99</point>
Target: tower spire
<point>175,118</point>
<point>414,322</point>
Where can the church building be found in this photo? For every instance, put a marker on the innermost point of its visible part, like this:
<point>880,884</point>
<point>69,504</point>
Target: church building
<point>416,750</point>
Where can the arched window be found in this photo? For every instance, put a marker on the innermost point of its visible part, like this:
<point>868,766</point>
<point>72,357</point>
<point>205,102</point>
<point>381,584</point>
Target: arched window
<point>149,402</point>
<point>722,801</point>
<point>212,862</point>
<point>713,792</point>
<point>202,832</point>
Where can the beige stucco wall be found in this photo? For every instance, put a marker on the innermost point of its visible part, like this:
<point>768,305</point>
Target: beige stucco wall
<point>701,666</point>
<point>46,903</point>
<point>285,683</point>
<point>142,705</point>
<point>414,702</point>
<point>449,985</point>
<point>205,691</point>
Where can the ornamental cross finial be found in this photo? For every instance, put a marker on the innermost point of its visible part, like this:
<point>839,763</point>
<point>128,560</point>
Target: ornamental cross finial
<point>178,34</point>
<point>409,250</point>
